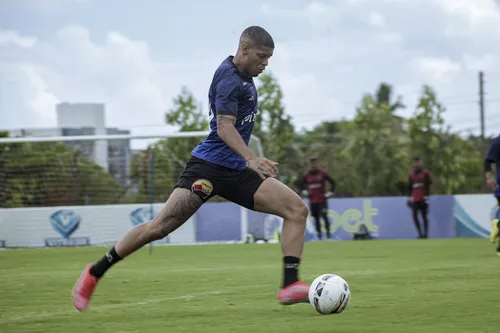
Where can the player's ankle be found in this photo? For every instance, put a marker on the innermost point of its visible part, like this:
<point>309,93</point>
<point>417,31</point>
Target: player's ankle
<point>290,270</point>
<point>109,259</point>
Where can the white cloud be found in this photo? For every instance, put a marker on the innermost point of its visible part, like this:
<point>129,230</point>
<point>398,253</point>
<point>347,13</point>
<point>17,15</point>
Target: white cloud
<point>38,6</point>
<point>9,37</point>
<point>376,19</point>
<point>43,100</point>
<point>327,56</point>
<point>120,72</point>
<point>489,63</point>
<point>471,17</point>
<point>359,43</point>
<point>320,14</point>
<point>435,69</point>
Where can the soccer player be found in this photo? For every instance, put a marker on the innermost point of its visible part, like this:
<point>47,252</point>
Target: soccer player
<point>493,156</point>
<point>419,183</point>
<point>314,180</point>
<point>223,165</point>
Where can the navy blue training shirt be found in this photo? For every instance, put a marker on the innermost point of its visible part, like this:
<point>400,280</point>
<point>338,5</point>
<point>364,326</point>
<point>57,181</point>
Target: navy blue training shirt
<point>493,154</point>
<point>231,92</point>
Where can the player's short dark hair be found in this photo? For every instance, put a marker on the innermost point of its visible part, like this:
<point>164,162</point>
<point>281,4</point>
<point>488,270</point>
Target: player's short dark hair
<point>258,36</point>
<point>416,158</point>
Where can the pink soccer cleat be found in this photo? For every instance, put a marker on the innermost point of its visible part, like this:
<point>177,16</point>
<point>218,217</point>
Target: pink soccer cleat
<point>84,289</point>
<point>297,292</point>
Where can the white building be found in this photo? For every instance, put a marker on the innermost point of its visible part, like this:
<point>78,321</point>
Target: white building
<point>75,119</point>
<point>85,115</point>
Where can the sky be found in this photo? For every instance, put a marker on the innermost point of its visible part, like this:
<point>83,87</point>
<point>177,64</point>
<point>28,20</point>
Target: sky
<point>135,56</point>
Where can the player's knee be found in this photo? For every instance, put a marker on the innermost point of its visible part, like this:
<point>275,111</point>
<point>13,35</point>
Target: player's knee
<point>297,212</point>
<point>302,212</point>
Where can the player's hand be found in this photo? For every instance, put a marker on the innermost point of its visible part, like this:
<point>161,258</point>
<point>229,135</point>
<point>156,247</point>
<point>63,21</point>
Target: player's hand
<point>409,202</point>
<point>491,182</point>
<point>264,167</point>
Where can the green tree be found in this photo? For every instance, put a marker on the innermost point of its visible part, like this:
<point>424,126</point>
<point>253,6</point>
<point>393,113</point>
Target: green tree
<point>49,174</point>
<point>5,194</point>
<point>273,126</point>
<point>375,150</point>
<point>170,155</point>
<point>371,154</point>
<point>187,113</point>
<point>384,95</point>
<point>325,141</point>
<point>450,158</point>
<point>338,145</point>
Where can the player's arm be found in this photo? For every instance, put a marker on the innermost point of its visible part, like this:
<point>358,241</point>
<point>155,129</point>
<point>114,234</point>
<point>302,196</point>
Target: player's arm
<point>226,109</point>
<point>228,133</point>
<point>410,188</point>
<point>428,183</point>
<point>332,182</point>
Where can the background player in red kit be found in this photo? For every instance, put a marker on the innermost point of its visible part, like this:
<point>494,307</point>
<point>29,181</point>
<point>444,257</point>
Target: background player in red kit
<point>314,181</point>
<point>419,182</point>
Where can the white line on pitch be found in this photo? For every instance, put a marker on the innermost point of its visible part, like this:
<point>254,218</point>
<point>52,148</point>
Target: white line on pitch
<point>74,272</point>
<point>42,315</point>
<point>364,272</point>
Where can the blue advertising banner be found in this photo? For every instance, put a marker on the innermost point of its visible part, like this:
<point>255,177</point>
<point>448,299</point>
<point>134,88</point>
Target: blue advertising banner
<point>218,222</point>
<point>383,217</point>
<point>473,214</point>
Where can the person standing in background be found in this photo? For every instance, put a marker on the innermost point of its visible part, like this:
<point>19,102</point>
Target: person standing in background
<point>314,181</point>
<point>419,183</point>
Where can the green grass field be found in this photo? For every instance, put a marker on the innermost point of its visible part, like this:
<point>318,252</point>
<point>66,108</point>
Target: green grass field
<point>397,286</point>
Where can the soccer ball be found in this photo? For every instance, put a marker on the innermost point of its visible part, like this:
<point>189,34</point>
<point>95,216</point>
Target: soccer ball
<point>329,294</point>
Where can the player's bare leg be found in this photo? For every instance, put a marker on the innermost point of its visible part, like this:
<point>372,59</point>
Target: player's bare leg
<point>273,197</point>
<point>181,205</point>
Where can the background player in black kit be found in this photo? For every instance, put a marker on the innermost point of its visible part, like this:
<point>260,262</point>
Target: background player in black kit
<point>223,165</point>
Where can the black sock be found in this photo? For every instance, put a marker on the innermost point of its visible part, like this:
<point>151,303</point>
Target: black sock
<point>417,224</point>
<point>108,260</point>
<point>317,223</point>
<point>426,226</point>
<point>327,226</point>
<point>290,270</point>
